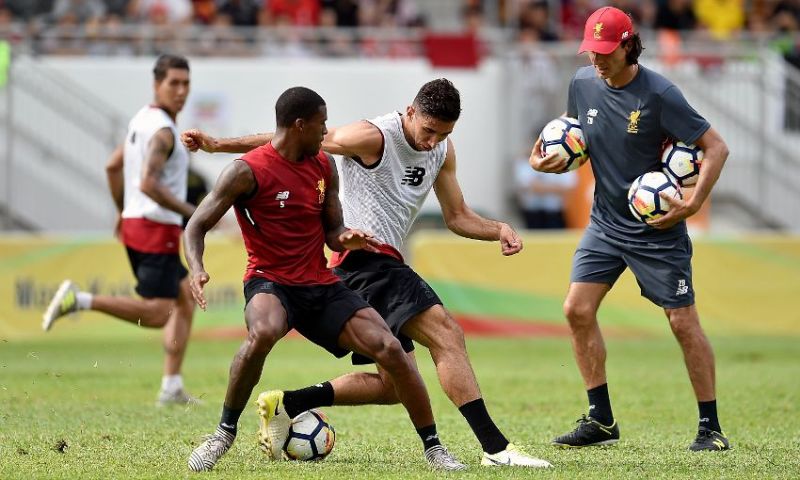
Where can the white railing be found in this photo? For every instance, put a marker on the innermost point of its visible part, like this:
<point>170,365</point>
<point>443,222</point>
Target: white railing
<point>56,136</point>
<point>747,91</point>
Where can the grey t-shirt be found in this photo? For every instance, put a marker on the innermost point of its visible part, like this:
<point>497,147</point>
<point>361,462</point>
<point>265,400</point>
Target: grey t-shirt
<point>624,130</point>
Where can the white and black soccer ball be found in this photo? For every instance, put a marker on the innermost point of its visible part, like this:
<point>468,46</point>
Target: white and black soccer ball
<point>311,436</point>
<point>643,195</point>
<point>565,136</point>
<point>682,162</point>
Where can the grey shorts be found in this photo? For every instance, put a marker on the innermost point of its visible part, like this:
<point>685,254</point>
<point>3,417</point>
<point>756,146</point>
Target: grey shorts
<point>663,270</point>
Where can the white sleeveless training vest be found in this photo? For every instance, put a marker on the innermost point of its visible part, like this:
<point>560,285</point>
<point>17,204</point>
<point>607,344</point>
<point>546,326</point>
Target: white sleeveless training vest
<point>384,199</point>
<point>141,129</point>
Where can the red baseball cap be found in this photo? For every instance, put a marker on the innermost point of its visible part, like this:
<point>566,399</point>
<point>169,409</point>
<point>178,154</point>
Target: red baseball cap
<point>605,29</point>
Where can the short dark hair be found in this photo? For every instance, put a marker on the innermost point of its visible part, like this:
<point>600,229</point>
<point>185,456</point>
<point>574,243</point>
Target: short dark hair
<point>632,55</point>
<point>297,102</point>
<point>167,61</point>
<point>439,99</point>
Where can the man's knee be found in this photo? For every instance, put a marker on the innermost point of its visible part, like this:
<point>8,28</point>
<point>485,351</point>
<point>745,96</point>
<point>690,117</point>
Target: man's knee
<point>438,331</point>
<point>580,314</point>
<point>158,311</point>
<point>683,322</point>
<point>387,352</point>
<point>262,336</point>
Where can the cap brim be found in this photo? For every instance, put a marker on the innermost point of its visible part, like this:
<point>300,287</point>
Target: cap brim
<point>598,46</point>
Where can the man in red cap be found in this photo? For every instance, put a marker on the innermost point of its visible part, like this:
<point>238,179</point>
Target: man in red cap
<point>626,112</point>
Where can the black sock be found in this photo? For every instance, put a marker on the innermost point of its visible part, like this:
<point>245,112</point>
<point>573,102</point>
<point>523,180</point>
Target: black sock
<point>298,401</point>
<point>492,440</point>
<point>600,405</point>
<point>708,415</point>
<point>429,436</point>
<point>230,419</point>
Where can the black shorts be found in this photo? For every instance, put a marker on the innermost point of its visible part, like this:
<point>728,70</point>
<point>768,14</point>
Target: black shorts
<point>391,287</point>
<point>318,312</point>
<point>158,275</point>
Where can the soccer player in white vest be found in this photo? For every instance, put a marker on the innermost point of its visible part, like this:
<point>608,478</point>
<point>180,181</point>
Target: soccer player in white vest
<point>390,165</point>
<point>147,178</point>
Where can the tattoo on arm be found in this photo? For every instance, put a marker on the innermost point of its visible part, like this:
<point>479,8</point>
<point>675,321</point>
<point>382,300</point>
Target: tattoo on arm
<point>235,181</point>
<point>158,151</point>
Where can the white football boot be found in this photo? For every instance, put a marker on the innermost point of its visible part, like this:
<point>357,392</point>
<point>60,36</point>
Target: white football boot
<point>63,303</point>
<point>512,456</point>
<point>204,457</point>
<point>440,459</point>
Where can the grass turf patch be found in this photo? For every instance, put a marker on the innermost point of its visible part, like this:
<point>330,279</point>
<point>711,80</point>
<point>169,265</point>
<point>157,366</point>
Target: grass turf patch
<point>85,409</point>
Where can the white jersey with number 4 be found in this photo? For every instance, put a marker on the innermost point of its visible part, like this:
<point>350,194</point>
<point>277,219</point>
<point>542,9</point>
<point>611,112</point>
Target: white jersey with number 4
<point>141,129</point>
<point>385,198</point>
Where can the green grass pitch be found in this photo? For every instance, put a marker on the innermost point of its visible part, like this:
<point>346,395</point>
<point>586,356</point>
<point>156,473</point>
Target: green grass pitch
<point>85,409</point>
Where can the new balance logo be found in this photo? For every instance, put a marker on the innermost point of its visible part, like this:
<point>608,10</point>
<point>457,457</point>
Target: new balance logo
<point>282,195</point>
<point>414,176</point>
<point>432,437</point>
<point>683,289</point>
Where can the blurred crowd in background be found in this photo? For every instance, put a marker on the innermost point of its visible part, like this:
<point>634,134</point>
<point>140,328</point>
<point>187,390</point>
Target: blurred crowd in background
<point>720,18</point>
<point>107,26</point>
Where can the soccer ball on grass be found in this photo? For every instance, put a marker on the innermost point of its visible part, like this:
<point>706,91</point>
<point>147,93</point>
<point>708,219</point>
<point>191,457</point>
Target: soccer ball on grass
<point>311,436</point>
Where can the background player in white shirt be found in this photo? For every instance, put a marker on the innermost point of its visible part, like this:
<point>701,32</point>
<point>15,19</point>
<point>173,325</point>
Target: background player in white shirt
<point>147,177</point>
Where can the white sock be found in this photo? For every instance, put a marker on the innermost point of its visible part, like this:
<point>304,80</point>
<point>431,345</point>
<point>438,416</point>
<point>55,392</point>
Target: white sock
<point>84,300</point>
<point>172,383</point>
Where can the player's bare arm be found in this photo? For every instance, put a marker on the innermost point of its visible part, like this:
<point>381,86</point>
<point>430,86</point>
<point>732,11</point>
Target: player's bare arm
<point>361,140</point>
<point>461,219</point>
<point>235,181</point>
<point>116,182</point>
<point>337,236</point>
<point>158,152</point>
<point>116,179</point>
<point>715,153</point>
<point>195,139</point>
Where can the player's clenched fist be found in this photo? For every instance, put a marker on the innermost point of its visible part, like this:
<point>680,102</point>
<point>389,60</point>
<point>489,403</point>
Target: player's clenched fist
<point>196,140</point>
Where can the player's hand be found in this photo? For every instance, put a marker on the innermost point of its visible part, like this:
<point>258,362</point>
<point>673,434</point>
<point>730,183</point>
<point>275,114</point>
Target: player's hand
<point>195,140</point>
<point>678,210</point>
<point>549,164</point>
<point>197,282</point>
<point>510,243</point>
<point>355,239</point>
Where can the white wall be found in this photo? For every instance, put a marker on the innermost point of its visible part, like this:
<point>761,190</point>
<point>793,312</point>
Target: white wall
<point>236,97</point>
